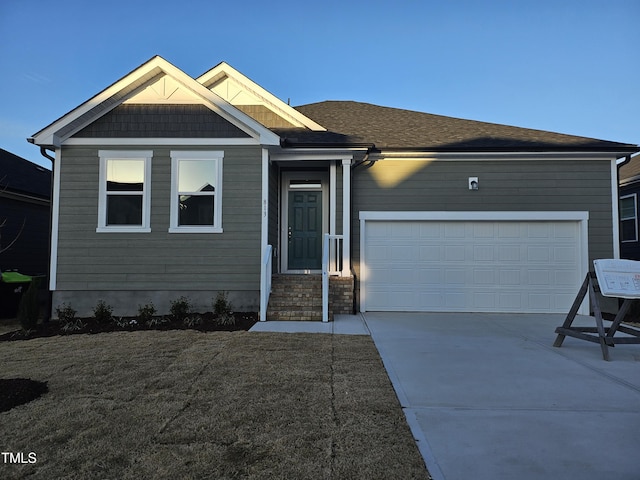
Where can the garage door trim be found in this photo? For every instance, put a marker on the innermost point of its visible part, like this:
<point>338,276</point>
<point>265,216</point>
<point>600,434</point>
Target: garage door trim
<point>582,217</point>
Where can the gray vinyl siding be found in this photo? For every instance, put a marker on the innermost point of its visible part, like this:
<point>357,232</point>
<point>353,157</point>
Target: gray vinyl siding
<point>159,260</point>
<point>274,209</point>
<point>518,185</point>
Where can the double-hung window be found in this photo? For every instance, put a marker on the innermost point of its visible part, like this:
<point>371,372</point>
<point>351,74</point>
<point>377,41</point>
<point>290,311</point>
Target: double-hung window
<point>196,192</point>
<point>628,218</point>
<point>124,202</point>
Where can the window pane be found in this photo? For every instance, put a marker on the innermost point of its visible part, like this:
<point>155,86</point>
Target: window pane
<point>125,175</point>
<point>196,175</point>
<point>124,209</point>
<point>196,210</point>
<point>627,208</point>
<point>628,230</point>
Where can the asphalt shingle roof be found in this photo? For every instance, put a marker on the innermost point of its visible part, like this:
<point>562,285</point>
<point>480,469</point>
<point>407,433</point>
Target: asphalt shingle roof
<point>22,176</point>
<point>356,123</point>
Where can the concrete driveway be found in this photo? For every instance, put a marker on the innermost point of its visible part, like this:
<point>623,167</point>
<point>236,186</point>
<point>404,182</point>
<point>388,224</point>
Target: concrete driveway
<point>487,396</point>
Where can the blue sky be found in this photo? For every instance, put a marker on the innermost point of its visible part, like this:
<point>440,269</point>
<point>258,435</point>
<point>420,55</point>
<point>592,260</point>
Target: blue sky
<point>570,66</point>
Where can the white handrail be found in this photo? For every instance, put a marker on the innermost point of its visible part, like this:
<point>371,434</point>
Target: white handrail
<point>331,265</point>
<point>265,281</point>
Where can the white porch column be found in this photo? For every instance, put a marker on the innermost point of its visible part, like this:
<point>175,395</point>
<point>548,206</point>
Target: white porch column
<point>346,217</point>
<point>265,276</point>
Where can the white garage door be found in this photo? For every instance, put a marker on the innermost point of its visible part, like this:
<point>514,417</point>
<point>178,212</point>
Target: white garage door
<point>475,266</point>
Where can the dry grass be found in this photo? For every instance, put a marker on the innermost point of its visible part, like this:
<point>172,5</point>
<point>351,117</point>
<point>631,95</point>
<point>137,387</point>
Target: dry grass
<point>183,404</point>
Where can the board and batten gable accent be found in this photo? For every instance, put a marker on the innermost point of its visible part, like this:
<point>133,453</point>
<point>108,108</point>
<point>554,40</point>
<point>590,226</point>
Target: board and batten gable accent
<point>159,260</point>
<point>532,184</point>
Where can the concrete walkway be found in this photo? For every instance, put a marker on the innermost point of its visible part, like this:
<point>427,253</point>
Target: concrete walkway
<point>342,324</point>
<point>487,396</point>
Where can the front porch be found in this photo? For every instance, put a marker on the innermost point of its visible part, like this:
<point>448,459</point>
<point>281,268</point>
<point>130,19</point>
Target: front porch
<point>306,268</point>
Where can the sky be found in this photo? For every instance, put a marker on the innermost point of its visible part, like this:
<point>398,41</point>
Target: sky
<point>568,66</point>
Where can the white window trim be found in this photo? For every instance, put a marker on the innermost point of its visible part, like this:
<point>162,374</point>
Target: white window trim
<point>217,156</point>
<point>635,217</point>
<point>106,155</point>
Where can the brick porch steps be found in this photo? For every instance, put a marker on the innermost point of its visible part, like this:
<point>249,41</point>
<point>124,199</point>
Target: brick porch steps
<point>299,297</point>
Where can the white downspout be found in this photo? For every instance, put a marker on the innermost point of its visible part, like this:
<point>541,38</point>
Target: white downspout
<point>615,217</point>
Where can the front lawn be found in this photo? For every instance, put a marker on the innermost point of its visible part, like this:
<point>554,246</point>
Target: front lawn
<point>187,404</point>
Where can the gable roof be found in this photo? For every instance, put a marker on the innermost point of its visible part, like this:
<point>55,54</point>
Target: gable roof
<point>20,176</point>
<point>254,95</point>
<point>136,82</point>
<point>265,119</point>
<point>380,127</point>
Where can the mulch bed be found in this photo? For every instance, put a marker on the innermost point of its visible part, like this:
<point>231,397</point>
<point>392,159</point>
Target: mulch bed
<point>243,321</point>
<point>18,391</point>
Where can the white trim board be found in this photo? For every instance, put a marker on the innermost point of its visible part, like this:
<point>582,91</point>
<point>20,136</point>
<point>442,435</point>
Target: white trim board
<point>477,216</point>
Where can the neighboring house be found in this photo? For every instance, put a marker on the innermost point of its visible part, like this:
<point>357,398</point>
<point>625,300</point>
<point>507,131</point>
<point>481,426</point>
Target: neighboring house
<point>629,180</point>
<point>166,185</point>
<point>25,191</point>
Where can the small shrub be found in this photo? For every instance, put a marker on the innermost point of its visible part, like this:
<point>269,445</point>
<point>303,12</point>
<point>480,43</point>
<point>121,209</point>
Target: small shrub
<point>192,321</point>
<point>29,309</point>
<point>73,326</point>
<point>222,304</point>
<point>125,323</point>
<point>67,317</point>
<point>223,310</point>
<point>146,313</point>
<point>180,309</point>
<point>157,321</point>
<point>102,312</point>
<point>121,322</point>
<point>65,313</point>
<point>226,319</point>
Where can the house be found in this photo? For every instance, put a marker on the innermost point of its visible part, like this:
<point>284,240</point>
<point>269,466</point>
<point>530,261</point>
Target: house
<point>25,191</point>
<point>629,181</point>
<point>168,185</point>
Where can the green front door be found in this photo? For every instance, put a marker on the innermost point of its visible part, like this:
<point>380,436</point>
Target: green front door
<point>305,230</point>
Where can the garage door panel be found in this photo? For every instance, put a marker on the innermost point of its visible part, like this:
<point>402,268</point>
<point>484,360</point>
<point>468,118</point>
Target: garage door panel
<point>484,276</point>
<point>539,277</point>
<point>455,230</point>
<point>429,253</point>
<point>509,253</point>
<point>538,254</point>
<point>428,276</point>
<point>509,230</point>
<point>484,253</point>
<point>507,266</point>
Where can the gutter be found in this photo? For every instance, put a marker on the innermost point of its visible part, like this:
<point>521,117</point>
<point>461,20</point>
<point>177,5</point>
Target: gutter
<point>49,303</point>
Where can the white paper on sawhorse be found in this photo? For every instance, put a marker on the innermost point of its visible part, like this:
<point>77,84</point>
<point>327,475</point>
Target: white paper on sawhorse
<point>618,278</point>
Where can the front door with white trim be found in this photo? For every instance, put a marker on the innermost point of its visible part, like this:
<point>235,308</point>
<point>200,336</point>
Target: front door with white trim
<point>305,230</point>
<point>304,221</point>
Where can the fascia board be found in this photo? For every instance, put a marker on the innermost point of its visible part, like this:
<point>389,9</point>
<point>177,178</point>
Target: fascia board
<point>44,136</point>
<point>224,68</point>
<point>504,156</point>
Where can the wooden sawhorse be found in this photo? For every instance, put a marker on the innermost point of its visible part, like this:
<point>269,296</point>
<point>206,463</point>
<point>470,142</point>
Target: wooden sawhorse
<point>598,334</point>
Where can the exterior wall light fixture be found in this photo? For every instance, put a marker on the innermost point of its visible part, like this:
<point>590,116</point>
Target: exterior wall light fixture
<point>473,183</point>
